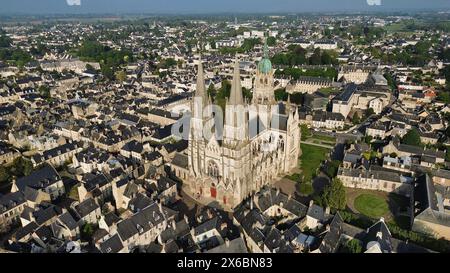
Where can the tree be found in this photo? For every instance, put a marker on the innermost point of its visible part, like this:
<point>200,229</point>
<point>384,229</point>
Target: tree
<point>412,138</point>
<point>21,167</point>
<point>332,168</point>
<point>356,119</point>
<point>87,231</point>
<point>5,41</point>
<point>352,246</point>
<point>444,97</point>
<point>315,59</point>
<point>281,94</point>
<point>44,91</point>
<point>247,93</point>
<point>4,175</point>
<point>326,58</point>
<point>107,72</point>
<point>446,72</point>
<point>89,67</point>
<point>298,98</point>
<point>391,82</point>
<point>370,112</point>
<point>334,195</point>
<point>306,133</point>
<point>211,91</point>
<point>213,44</point>
<point>121,76</point>
<point>445,55</point>
<point>271,41</point>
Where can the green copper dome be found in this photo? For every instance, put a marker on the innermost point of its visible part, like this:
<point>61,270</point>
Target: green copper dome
<point>265,66</point>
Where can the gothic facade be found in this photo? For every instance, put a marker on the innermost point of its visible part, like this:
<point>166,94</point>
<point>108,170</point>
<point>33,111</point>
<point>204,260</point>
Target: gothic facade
<point>259,143</point>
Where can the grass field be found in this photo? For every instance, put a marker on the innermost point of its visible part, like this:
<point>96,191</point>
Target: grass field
<point>371,205</point>
<point>324,138</point>
<point>311,158</point>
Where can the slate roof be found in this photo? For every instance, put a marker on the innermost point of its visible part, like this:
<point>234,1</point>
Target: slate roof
<point>180,160</point>
<point>11,200</point>
<point>316,212</point>
<point>111,218</point>
<point>427,205</point>
<point>39,179</point>
<point>46,213</point>
<point>57,151</point>
<point>143,221</point>
<point>324,116</point>
<point>330,242</point>
<point>379,232</point>
<point>162,132</point>
<point>234,246</point>
<point>112,245</point>
<point>133,146</point>
<point>86,207</point>
<point>206,226</point>
<point>67,220</point>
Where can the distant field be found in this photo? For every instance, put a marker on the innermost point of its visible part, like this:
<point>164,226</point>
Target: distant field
<point>311,158</point>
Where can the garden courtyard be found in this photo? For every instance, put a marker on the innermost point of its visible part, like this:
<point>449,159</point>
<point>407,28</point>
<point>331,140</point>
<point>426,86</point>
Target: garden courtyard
<point>377,204</point>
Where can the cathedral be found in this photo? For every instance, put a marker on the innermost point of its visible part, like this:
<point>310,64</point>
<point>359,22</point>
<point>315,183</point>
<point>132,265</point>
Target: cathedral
<point>253,144</point>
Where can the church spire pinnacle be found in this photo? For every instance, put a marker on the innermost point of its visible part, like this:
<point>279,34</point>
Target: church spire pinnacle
<point>265,66</point>
<point>266,49</point>
<point>201,89</point>
<point>236,97</point>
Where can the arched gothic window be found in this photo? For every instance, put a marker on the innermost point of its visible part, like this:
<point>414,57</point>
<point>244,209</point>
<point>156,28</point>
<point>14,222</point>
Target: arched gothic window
<point>213,170</point>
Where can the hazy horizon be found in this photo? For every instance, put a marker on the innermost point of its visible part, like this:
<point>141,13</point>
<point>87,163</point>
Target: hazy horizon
<point>41,7</point>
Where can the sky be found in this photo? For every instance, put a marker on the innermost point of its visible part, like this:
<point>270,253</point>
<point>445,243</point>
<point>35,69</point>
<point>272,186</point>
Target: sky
<point>213,6</point>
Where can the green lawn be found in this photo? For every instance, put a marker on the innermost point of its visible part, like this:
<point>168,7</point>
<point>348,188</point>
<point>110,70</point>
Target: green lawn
<point>324,138</point>
<point>311,158</point>
<point>371,205</point>
<point>329,90</point>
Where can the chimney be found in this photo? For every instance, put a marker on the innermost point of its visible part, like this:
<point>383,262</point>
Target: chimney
<point>223,226</point>
<point>311,203</point>
<point>379,235</point>
<point>227,242</point>
<point>327,210</point>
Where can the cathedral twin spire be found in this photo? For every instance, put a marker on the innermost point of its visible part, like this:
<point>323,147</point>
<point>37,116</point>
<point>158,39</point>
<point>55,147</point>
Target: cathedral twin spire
<point>236,97</point>
<point>201,89</point>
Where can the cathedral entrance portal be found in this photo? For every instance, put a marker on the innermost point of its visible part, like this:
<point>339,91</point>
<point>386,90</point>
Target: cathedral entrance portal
<point>213,192</point>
